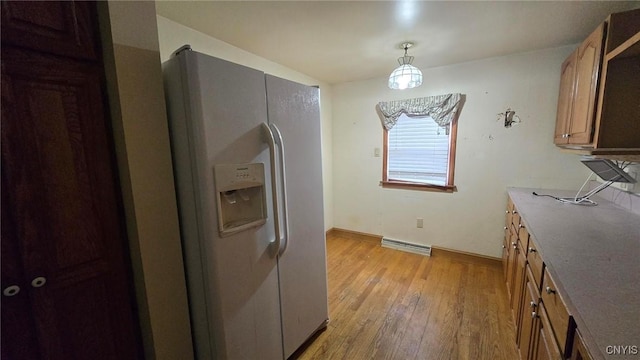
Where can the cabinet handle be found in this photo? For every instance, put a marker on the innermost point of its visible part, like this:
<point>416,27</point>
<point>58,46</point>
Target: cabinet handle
<point>504,247</point>
<point>513,243</point>
<point>549,290</point>
<point>532,250</point>
<point>504,227</point>
<point>38,282</point>
<point>506,211</point>
<point>534,315</point>
<point>520,226</point>
<point>514,212</point>
<point>11,290</point>
<point>568,135</point>
<point>515,247</point>
<point>533,304</point>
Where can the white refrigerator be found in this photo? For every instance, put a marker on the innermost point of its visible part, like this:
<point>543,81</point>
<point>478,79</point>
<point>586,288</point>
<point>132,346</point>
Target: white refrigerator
<point>247,165</point>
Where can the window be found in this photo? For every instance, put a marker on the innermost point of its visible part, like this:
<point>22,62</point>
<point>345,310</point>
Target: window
<point>420,154</point>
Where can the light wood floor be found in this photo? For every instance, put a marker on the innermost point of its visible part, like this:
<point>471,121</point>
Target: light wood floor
<point>388,304</point>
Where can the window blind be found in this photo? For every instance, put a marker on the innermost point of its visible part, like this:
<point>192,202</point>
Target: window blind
<point>418,151</point>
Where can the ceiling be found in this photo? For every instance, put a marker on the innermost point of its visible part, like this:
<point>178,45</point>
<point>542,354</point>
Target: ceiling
<point>343,41</point>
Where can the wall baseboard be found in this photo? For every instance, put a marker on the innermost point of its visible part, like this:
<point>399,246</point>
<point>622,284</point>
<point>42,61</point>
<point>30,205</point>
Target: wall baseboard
<point>466,256</point>
<point>435,250</point>
<point>354,234</point>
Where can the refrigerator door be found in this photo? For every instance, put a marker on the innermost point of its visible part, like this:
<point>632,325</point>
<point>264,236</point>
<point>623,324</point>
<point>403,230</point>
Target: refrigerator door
<point>294,110</point>
<point>216,111</point>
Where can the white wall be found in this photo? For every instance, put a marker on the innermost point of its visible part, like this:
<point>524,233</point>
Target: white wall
<point>489,157</point>
<point>173,35</point>
<point>141,137</point>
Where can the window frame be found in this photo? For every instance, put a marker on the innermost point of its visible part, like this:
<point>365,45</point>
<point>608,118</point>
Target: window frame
<point>449,187</point>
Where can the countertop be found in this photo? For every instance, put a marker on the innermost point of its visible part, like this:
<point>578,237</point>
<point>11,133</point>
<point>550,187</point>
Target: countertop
<point>593,254</point>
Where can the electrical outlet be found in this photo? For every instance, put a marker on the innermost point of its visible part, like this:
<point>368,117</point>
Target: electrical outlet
<point>419,223</point>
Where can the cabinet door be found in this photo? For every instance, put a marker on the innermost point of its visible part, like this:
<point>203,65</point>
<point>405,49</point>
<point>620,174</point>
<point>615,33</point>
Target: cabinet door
<point>528,320</point>
<point>53,27</point>
<point>511,264</point>
<point>588,59</point>
<point>16,317</point>
<point>565,99</point>
<point>518,287</point>
<point>546,347</point>
<point>65,227</point>
<point>505,252</point>
<point>579,350</point>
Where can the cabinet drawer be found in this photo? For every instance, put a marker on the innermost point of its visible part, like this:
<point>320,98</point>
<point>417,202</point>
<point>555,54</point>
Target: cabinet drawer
<point>556,310</point>
<point>535,262</point>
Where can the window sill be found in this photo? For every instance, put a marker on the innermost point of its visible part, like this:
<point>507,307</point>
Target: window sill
<point>416,186</point>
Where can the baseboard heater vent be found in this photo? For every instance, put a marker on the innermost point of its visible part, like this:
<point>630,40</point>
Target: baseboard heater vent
<point>405,246</point>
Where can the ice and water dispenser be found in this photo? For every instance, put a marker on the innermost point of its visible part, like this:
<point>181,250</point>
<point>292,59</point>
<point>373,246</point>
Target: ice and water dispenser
<point>241,197</point>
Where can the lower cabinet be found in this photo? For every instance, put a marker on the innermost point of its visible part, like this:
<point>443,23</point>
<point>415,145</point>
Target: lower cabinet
<point>528,324</point>
<point>545,347</point>
<point>557,313</point>
<point>579,351</point>
<point>517,304</point>
<point>544,327</point>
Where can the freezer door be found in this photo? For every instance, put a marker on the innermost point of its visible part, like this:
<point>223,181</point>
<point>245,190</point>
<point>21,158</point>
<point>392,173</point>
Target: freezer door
<point>294,110</point>
<point>216,111</point>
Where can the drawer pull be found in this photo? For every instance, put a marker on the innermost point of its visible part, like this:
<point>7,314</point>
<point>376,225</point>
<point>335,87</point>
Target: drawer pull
<point>506,211</point>
<point>533,304</point>
<point>514,212</point>
<point>532,249</point>
<point>515,246</point>
<point>504,247</point>
<point>504,227</point>
<point>549,290</point>
<point>534,315</point>
<point>520,226</point>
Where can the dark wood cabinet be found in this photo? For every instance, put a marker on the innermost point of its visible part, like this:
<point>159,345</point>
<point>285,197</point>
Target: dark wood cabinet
<point>53,27</point>
<point>67,291</point>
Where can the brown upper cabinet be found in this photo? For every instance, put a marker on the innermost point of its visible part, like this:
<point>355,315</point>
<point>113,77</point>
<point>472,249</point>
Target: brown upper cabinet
<point>578,84</point>
<point>599,99</point>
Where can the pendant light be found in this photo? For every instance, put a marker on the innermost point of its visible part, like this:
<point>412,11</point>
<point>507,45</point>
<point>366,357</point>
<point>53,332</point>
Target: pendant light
<point>405,76</point>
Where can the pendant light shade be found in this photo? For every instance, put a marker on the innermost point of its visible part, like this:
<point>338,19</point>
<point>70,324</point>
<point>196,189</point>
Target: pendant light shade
<point>405,76</point>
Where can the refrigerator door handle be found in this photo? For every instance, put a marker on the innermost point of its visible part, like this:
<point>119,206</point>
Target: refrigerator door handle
<point>270,140</point>
<point>283,181</point>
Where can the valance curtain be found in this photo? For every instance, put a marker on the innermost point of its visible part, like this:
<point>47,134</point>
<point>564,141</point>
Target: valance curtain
<point>441,108</point>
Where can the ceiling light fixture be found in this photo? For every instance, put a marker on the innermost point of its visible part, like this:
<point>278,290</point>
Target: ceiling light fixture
<point>405,76</point>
